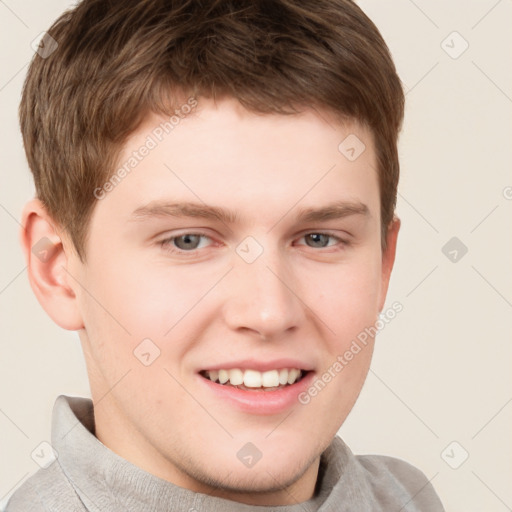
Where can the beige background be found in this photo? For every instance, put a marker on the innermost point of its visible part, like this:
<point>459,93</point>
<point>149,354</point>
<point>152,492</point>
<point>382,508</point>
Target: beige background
<point>442,368</point>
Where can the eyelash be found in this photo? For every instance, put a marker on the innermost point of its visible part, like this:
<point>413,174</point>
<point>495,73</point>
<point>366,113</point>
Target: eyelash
<point>166,244</point>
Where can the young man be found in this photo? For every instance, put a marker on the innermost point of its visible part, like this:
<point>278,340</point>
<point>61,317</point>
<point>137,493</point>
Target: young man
<point>216,184</point>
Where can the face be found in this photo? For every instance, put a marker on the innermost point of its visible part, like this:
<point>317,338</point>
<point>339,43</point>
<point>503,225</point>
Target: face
<point>243,247</point>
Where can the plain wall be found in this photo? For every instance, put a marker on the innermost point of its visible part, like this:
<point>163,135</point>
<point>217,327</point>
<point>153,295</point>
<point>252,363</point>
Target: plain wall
<point>442,368</point>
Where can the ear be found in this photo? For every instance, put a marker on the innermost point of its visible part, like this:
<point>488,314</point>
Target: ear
<point>47,263</point>
<point>388,258</point>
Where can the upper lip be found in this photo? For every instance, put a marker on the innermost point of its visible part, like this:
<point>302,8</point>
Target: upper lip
<point>260,365</point>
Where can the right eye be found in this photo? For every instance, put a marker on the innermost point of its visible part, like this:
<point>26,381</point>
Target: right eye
<point>187,242</point>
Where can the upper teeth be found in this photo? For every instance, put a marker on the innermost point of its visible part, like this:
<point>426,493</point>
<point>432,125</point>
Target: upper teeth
<point>254,378</point>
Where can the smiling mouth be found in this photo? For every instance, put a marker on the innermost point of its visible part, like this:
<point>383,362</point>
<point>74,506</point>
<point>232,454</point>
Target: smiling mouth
<point>253,380</point>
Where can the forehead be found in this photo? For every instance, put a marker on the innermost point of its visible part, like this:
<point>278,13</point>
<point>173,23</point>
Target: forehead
<point>220,154</point>
<point>224,128</point>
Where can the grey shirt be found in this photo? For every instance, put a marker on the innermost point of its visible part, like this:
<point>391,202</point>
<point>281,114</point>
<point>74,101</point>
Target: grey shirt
<point>88,476</point>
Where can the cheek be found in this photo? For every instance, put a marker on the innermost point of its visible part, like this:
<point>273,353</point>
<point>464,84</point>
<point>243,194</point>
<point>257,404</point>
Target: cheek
<point>348,299</point>
<point>348,306</point>
<point>149,299</point>
<point>129,303</point>
<point>134,321</point>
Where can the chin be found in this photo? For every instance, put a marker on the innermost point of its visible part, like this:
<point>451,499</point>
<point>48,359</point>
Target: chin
<point>270,475</point>
<point>258,481</point>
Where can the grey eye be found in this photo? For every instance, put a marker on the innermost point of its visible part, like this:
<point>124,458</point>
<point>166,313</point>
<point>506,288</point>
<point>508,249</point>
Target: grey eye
<point>318,239</point>
<point>187,241</point>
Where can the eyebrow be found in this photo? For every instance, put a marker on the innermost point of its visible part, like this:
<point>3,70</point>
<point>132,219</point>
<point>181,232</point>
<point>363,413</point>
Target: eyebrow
<point>154,209</point>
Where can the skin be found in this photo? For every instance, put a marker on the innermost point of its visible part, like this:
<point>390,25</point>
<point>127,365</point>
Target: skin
<point>297,299</point>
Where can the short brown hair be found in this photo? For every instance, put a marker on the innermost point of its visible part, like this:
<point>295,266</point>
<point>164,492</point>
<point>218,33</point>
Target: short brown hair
<point>116,61</point>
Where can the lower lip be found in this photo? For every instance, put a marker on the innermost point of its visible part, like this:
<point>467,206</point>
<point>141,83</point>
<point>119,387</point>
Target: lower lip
<point>260,402</point>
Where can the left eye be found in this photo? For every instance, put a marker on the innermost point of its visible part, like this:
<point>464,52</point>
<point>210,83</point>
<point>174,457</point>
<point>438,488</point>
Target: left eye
<point>319,240</point>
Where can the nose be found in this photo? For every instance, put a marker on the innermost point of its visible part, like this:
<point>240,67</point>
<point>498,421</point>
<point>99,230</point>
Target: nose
<point>263,297</point>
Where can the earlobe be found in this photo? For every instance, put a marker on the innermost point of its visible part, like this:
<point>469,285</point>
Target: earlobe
<point>388,258</point>
<point>47,264</point>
